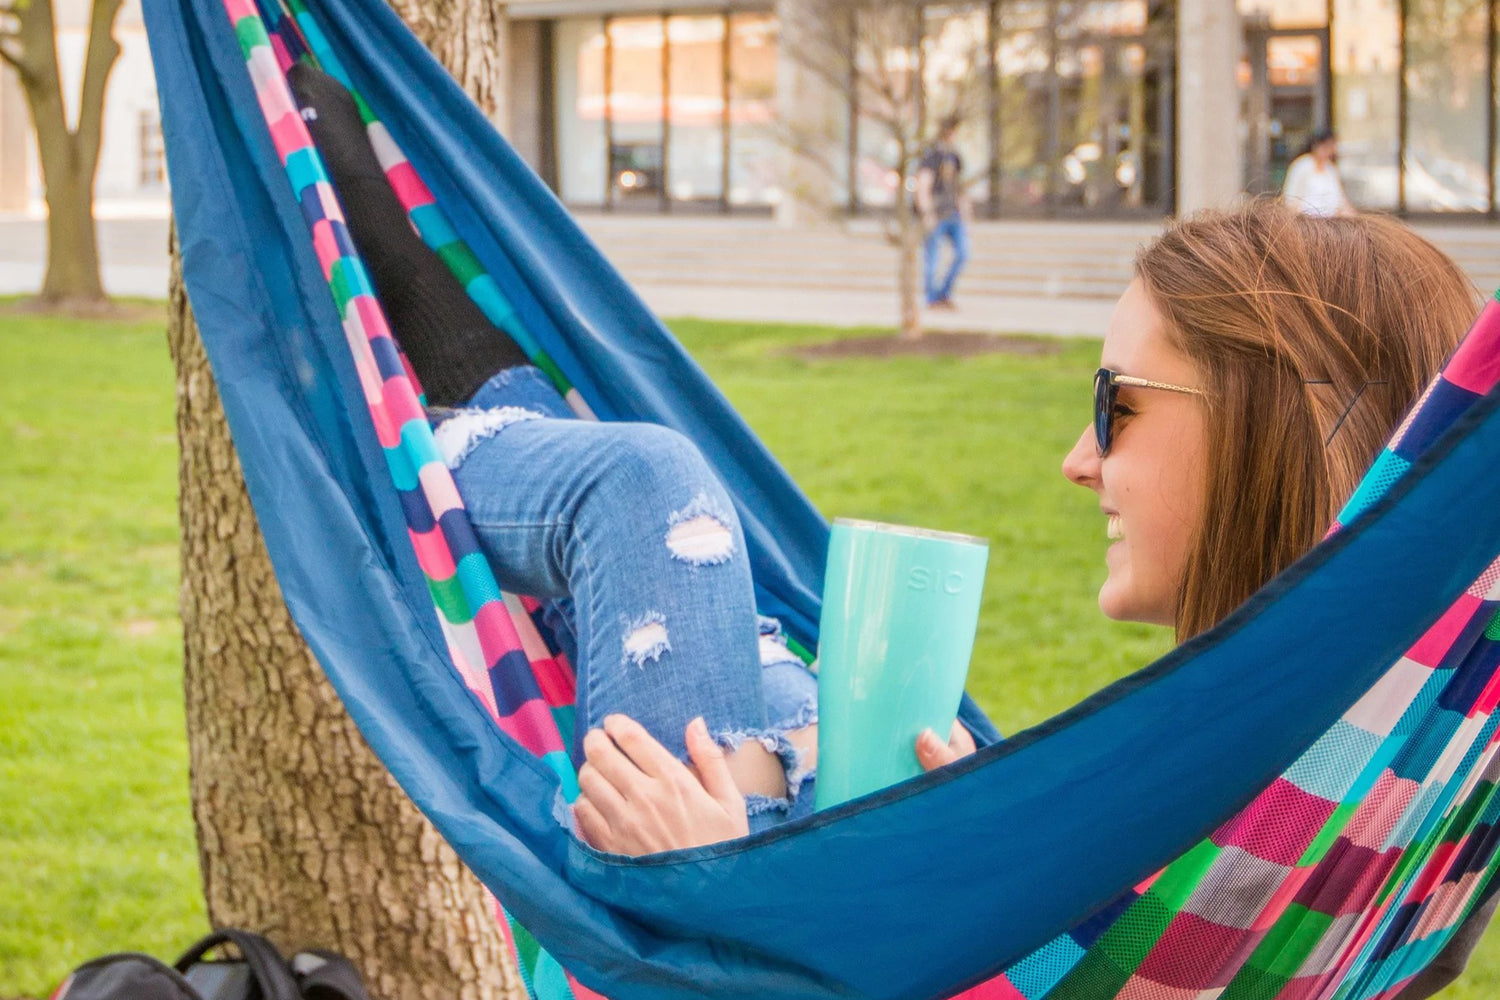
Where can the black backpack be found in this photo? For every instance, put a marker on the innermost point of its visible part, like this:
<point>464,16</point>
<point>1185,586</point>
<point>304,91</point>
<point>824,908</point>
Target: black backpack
<point>259,974</point>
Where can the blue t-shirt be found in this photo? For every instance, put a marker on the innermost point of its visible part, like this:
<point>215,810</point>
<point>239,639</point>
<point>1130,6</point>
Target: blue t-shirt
<point>947,169</point>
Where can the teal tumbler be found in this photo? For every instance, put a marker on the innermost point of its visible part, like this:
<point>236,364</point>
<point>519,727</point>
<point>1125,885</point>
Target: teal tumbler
<point>900,608</point>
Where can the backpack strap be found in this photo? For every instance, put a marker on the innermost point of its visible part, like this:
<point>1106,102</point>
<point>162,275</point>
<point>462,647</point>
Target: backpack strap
<point>266,964</point>
<point>327,975</point>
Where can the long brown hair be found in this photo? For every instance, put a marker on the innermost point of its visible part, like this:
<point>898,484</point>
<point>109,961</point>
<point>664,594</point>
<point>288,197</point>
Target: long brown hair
<point>1312,337</point>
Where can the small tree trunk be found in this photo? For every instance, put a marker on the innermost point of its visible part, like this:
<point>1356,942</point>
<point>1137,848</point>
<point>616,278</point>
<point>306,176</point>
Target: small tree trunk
<point>302,834</point>
<point>72,278</point>
<point>908,266</point>
<point>69,156</point>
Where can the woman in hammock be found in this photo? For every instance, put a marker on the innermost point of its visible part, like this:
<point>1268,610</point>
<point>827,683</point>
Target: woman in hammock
<point>1250,374</point>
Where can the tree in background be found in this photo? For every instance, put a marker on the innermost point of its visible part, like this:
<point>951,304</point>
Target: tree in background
<point>302,833</point>
<point>878,59</point>
<point>69,155</point>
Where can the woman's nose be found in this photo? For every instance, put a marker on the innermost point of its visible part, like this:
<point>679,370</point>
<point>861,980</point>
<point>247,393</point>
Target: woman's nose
<point>1081,464</point>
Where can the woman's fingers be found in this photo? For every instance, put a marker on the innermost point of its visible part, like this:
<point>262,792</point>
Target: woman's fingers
<point>960,740</point>
<point>713,770</point>
<point>593,827</point>
<point>932,752</point>
<point>593,785</point>
<point>600,752</point>
<point>641,747</point>
<point>636,798</point>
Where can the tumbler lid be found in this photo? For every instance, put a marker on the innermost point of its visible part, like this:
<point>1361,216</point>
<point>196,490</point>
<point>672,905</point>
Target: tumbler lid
<point>856,524</point>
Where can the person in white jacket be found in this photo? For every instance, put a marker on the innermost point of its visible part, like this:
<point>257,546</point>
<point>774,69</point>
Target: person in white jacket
<point>1312,183</point>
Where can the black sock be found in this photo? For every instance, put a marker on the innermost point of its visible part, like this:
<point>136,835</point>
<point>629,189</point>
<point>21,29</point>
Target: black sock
<point>452,346</point>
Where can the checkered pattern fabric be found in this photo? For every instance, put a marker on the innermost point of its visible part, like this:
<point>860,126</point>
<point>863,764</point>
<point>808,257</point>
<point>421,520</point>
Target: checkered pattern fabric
<point>1347,875</point>
<point>494,640</point>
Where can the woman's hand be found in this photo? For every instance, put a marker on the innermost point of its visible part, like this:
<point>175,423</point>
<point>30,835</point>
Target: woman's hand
<point>933,753</point>
<point>636,798</point>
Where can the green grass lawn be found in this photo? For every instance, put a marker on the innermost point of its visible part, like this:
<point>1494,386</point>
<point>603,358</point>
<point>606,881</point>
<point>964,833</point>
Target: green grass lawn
<point>96,845</point>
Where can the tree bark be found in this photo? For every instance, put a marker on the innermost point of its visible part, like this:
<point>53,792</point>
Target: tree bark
<point>303,835</point>
<point>908,268</point>
<point>469,38</point>
<point>69,156</point>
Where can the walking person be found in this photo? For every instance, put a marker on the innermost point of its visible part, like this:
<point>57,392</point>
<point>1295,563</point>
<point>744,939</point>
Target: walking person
<point>1312,183</point>
<point>944,209</point>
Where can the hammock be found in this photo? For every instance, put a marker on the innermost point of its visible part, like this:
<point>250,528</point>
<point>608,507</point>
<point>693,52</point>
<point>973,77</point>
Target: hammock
<point>1298,804</point>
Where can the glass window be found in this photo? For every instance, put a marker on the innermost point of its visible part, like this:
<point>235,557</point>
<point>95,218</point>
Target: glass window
<point>1024,57</point>
<point>579,89</point>
<point>153,161</point>
<point>887,59</point>
<point>1285,13</point>
<point>1366,99</point>
<point>1102,97</point>
<point>636,160</point>
<point>695,104</point>
<point>1446,162</point>
<point>956,83</point>
<point>754,150</point>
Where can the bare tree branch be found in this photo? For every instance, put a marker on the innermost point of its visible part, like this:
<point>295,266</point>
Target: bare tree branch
<point>13,31</point>
<point>103,50</point>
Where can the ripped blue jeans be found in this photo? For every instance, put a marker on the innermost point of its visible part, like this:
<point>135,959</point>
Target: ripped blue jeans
<point>631,539</point>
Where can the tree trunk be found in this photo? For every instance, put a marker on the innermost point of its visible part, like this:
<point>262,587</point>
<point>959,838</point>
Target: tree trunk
<point>69,156</point>
<point>469,38</point>
<point>908,267</point>
<point>302,834</point>
<point>909,277</point>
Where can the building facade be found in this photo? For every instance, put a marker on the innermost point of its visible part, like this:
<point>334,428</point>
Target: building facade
<point>1072,108</point>
<point>1089,108</point>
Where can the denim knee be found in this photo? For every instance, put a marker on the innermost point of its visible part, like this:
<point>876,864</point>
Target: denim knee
<point>660,472</point>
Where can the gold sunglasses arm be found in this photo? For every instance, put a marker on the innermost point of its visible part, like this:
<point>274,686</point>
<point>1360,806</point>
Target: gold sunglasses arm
<point>1146,383</point>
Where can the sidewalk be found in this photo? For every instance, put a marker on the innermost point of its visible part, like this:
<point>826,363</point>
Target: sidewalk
<point>1037,277</point>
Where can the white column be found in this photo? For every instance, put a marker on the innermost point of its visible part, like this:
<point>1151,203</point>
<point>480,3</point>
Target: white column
<point>15,145</point>
<point>523,127</point>
<point>500,42</point>
<point>809,110</point>
<point>1210,149</point>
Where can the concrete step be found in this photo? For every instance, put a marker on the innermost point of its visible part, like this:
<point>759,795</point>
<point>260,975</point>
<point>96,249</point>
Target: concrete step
<point>1044,259</point>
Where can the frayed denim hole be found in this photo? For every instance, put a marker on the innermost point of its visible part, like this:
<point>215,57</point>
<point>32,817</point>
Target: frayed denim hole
<point>462,431</point>
<point>756,805</point>
<point>766,625</point>
<point>805,715</point>
<point>773,650</point>
<point>776,743</point>
<point>699,534</point>
<point>645,639</point>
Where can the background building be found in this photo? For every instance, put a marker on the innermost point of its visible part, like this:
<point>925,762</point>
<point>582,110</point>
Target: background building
<point>1086,108</point>
<point>1092,107</point>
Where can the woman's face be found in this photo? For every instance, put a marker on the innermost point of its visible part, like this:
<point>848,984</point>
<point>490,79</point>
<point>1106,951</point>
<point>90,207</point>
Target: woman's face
<point>1151,484</point>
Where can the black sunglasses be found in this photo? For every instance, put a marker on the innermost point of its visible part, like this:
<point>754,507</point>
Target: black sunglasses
<point>1107,384</point>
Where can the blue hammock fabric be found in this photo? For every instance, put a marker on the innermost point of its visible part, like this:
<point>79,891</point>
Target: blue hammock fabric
<point>876,883</point>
